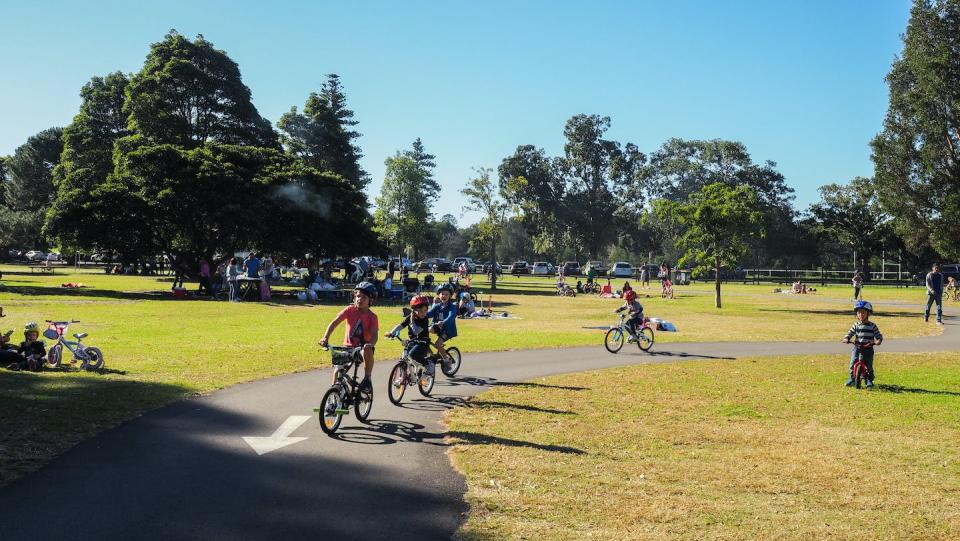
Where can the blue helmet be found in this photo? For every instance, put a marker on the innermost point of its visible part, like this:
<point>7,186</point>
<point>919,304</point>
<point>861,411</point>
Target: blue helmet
<point>368,288</point>
<point>445,286</point>
<point>863,304</point>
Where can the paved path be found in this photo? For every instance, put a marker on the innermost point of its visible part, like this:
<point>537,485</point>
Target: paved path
<point>184,471</point>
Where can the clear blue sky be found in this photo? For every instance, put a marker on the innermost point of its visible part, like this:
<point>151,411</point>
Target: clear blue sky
<point>800,83</point>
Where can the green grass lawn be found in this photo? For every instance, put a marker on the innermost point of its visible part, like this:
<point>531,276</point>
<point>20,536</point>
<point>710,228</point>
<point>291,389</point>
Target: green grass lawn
<point>765,448</point>
<point>158,349</point>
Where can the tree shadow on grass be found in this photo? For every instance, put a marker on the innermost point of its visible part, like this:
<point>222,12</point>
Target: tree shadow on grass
<point>685,355</point>
<point>901,389</point>
<point>472,438</point>
<point>92,293</point>
<point>844,312</point>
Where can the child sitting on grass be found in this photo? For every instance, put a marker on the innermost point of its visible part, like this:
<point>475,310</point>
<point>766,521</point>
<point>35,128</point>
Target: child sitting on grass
<point>31,351</point>
<point>866,334</point>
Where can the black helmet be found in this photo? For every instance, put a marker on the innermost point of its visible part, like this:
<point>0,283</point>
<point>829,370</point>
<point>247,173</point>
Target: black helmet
<point>368,288</point>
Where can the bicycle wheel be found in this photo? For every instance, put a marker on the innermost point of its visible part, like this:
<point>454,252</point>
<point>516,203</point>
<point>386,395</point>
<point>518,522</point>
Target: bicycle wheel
<point>425,382</point>
<point>645,338</point>
<point>363,404</point>
<point>398,383</point>
<point>450,368</point>
<point>613,340</point>
<point>859,373</point>
<point>94,359</point>
<point>55,356</point>
<point>331,410</point>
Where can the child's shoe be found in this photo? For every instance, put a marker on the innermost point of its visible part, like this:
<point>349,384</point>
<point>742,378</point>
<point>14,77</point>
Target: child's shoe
<point>366,384</point>
<point>869,384</point>
<point>849,382</point>
<point>431,370</point>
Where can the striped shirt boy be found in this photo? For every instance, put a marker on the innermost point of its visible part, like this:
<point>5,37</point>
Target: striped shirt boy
<point>865,332</point>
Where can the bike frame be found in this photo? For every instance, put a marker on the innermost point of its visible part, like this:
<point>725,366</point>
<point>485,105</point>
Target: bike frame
<point>74,347</point>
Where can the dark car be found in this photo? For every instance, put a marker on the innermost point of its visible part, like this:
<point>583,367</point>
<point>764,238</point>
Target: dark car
<point>438,264</point>
<point>571,268</point>
<point>520,267</point>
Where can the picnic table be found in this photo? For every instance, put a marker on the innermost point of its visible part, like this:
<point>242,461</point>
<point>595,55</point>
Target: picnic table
<point>247,286</point>
<point>44,268</point>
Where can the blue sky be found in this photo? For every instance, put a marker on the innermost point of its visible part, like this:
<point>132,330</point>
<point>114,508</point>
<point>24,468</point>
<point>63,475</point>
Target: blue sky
<point>800,83</point>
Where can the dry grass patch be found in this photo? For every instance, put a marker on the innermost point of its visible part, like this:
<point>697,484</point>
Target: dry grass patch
<point>772,448</point>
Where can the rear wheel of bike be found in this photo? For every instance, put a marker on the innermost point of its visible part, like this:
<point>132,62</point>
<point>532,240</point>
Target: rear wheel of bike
<point>613,341</point>
<point>425,382</point>
<point>331,410</point>
<point>645,338</point>
<point>453,362</point>
<point>94,359</point>
<point>398,383</point>
<point>55,356</point>
<point>363,404</point>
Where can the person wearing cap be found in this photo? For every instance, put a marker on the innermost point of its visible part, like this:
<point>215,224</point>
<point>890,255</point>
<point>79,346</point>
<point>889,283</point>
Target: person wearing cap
<point>864,334</point>
<point>362,327</point>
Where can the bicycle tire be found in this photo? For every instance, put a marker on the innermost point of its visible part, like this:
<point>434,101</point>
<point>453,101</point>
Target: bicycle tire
<point>645,339</point>
<point>363,404</point>
<point>398,383</point>
<point>859,373</point>
<point>55,356</point>
<point>94,359</point>
<point>425,383</point>
<point>454,354</point>
<point>613,340</point>
<point>330,417</point>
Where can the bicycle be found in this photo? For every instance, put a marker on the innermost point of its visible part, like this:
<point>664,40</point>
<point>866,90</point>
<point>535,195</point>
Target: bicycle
<point>614,338</point>
<point>591,287</point>
<point>667,291</point>
<point>345,391</point>
<point>860,371</point>
<point>407,370</point>
<point>91,358</point>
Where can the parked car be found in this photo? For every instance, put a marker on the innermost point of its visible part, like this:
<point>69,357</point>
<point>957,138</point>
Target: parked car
<point>598,266</point>
<point>485,267</point>
<point>571,268</point>
<point>442,264</point>
<point>407,264</point>
<point>35,255</point>
<point>953,269</point>
<point>520,267</point>
<point>53,256</point>
<point>542,268</point>
<point>621,269</point>
<point>471,266</point>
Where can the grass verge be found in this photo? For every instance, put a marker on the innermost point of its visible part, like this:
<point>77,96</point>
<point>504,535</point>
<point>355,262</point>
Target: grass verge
<point>765,448</point>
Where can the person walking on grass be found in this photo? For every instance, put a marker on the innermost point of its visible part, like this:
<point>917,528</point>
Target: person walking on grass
<point>857,282</point>
<point>934,283</point>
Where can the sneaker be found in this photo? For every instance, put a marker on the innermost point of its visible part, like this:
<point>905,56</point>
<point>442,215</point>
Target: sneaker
<point>939,322</point>
<point>366,384</point>
<point>631,339</point>
<point>849,382</point>
<point>431,370</point>
<point>926,319</point>
<point>869,384</point>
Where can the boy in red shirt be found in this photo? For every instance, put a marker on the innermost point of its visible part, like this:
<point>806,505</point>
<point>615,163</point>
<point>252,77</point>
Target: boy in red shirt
<point>362,327</point>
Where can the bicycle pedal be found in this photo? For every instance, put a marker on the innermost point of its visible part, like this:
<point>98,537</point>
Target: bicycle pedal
<point>341,411</point>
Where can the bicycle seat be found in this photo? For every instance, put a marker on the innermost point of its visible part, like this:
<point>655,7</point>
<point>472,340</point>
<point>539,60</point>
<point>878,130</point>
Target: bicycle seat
<point>80,336</point>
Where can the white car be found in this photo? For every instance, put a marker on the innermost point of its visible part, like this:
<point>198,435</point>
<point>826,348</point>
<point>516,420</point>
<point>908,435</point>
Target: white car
<point>542,268</point>
<point>471,266</point>
<point>35,255</point>
<point>621,269</point>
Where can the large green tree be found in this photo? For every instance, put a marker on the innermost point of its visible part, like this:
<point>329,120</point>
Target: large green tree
<point>717,223</point>
<point>29,190</point>
<point>491,201</point>
<point>324,134</point>
<point>87,213</point>
<point>849,219</point>
<point>539,190</point>
<point>403,207</point>
<point>917,155</point>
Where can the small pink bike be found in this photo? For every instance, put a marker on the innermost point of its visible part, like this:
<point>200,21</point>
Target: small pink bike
<point>90,358</point>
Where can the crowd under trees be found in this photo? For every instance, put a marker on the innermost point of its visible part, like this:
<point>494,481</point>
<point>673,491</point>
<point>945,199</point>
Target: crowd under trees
<point>176,160</point>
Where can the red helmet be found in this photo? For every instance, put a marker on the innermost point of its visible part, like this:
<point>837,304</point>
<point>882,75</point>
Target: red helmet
<point>420,300</point>
<point>630,296</point>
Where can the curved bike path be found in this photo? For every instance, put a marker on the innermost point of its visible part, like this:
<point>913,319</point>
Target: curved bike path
<point>184,471</point>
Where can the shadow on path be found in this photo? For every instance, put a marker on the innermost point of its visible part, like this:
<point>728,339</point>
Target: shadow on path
<point>685,355</point>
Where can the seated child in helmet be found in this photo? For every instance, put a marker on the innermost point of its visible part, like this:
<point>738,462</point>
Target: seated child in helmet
<point>467,305</point>
<point>418,330</point>
<point>362,327</point>
<point>635,313</point>
<point>864,334</point>
<point>31,351</point>
<point>444,314</point>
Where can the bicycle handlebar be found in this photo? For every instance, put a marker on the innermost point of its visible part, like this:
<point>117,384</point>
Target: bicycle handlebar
<point>62,322</point>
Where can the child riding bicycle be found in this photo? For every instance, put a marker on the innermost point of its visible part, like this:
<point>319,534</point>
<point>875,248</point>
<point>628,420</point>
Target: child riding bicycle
<point>866,334</point>
<point>418,330</point>
<point>635,311</point>
<point>362,327</point>
<point>444,314</point>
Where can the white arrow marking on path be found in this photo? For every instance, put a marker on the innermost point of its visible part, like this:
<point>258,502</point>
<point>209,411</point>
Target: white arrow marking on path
<point>278,439</point>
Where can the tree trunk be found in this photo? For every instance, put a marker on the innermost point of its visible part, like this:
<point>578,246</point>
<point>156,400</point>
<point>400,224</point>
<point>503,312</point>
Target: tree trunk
<point>717,260</point>
<point>493,264</point>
